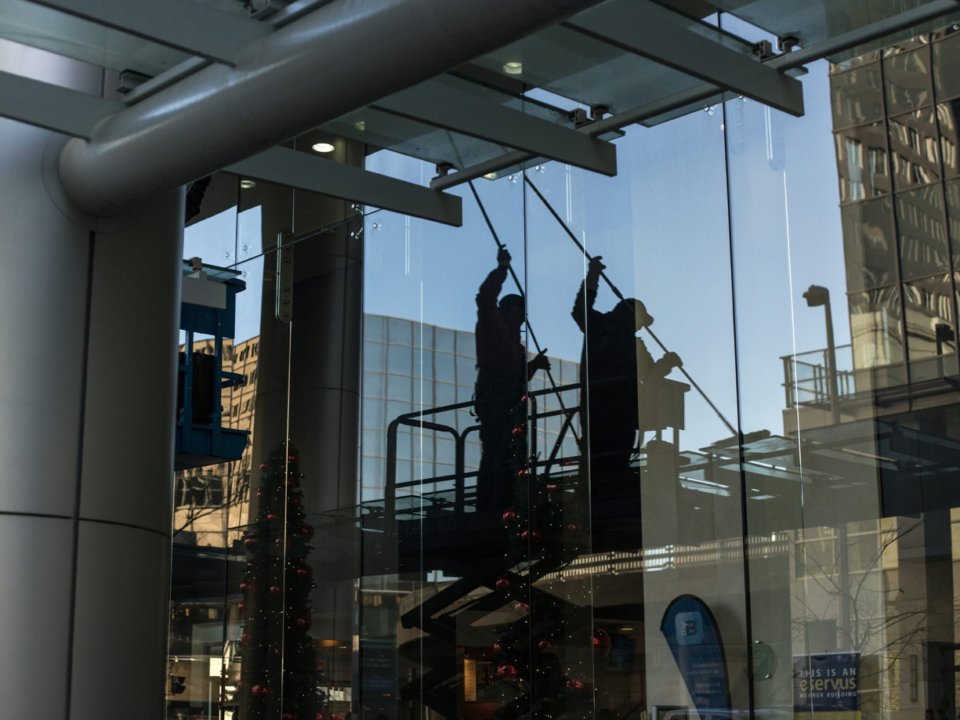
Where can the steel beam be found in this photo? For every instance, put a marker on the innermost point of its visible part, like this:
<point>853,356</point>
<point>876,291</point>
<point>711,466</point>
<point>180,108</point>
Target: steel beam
<point>865,34</point>
<point>330,62</point>
<point>52,107</point>
<point>654,32</point>
<point>307,172</point>
<point>182,24</point>
<point>437,103</point>
<point>600,127</point>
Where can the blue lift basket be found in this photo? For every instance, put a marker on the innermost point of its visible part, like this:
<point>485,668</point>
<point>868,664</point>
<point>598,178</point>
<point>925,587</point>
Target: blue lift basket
<point>208,306</point>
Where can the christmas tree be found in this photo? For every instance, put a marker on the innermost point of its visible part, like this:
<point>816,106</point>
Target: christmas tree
<point>280,665</point>
<point>544,657</point>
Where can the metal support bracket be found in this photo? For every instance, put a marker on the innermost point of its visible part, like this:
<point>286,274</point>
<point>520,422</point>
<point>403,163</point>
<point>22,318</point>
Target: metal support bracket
<point>284,277</point>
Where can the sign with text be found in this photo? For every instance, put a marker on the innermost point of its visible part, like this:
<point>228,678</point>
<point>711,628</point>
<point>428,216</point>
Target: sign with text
<point>691,631</point>
<point>828,685</point>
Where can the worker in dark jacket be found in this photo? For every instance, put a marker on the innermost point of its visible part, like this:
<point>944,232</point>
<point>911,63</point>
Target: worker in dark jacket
<point>613,369</point>
<point>502,375</point>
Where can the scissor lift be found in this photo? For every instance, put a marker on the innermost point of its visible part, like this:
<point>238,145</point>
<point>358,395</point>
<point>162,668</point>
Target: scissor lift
<point>208,306</point>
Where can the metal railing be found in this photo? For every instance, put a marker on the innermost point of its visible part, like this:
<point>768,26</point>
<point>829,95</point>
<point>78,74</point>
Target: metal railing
<point>460,475</point>
<point>806,377</point>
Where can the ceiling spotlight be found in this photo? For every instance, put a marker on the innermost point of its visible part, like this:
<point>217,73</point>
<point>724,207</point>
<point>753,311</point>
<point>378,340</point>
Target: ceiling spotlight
<point>360,125</point>
<point>491,176</point>
<point>247,184</point>
<point>323,147</point>
<point>513,68</point>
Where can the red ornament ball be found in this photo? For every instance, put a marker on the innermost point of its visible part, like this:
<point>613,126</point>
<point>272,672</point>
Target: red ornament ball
<point>261,494</point>
<point>245,638</point>
<point>574,528</point>
<point>508,673</point>
<point>250,543</point>
<point>601,643</point>
<point>241,608</point>
<point>291,716</point>
<point>532,536</point>
<point>552,488</point>
<point>276,590</point>
<point>509,516</point>
<point>503,583</point>
<point>307,531</point>
<point>521,607</point>
<point>574,686</point>
<point>264,466</point>
<point>519,430</point>
<point>273,517</point>
<point>261,691</point>
<point>296,501</point>
<point>245,587</point>
<point>292,458</point>
<point>304,573</point>
<point>546,645</point>
<point>305,622</point>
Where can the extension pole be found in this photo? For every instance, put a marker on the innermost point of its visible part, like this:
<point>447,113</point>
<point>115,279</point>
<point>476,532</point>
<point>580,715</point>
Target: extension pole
<point>500,245</point>
<point>620,297</point>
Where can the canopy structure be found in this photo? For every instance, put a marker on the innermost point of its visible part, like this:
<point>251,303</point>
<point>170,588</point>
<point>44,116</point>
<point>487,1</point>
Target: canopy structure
<point>480,90</point>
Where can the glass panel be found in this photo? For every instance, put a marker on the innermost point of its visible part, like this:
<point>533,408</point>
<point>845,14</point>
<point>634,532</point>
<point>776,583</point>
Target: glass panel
<point>946,67</point>
<point>923,235</point>
<point>929,317</point>
<point>875,328</point>
<point>914,149</point>
<point>41,27</point>
<point>862,162</point>
<point>869,243</point>
<point>949,137</point>
<point>953,219</point>
<point>907,79</point>
<point>857,96</point>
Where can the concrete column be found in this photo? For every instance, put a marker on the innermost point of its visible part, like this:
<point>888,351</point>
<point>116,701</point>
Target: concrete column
<point>88,338</point>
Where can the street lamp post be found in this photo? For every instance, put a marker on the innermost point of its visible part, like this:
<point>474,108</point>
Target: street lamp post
<point>817,295</point>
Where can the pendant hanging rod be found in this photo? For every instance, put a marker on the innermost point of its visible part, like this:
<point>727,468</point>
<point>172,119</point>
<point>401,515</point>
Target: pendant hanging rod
<point>496,239</point>
<point>620,296</point>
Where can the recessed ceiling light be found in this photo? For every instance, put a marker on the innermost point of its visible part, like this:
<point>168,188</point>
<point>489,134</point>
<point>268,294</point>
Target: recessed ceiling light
<point>491,176</point>
<point>513,68</point>
<point>324,147</point>
<point>247,184</point>
<point>360,125</point>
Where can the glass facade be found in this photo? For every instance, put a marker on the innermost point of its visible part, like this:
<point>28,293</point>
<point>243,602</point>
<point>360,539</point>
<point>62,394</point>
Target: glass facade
<point>686,445</point>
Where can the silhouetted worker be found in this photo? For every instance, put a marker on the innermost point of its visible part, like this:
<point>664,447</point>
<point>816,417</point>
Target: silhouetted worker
<point>613,369</point>
<point>502,375</point>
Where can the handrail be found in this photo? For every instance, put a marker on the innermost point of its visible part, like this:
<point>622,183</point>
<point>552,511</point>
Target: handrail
<point>415,419</point>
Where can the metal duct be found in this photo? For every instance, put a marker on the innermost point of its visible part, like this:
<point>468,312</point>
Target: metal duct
<point>333,61</point>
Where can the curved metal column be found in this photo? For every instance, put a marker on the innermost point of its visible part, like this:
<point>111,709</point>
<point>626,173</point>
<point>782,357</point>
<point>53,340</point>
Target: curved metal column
<point>88,327</point>
<point>337,59</point>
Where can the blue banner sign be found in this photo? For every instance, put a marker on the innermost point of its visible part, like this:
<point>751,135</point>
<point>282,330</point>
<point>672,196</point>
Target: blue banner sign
<point>828,685</point>
<point>694,639</point>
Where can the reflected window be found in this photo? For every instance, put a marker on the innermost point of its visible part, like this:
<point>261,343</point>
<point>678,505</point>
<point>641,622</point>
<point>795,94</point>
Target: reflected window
<point>875,328</point>
<point>400,360</point>
<point>953,218</point>
<point>914,149</point>
<point>373,328</point>
<point>869,243</point>
<point>375,356</point>
<point>445,367</point>
<point>946,67</point>
<point>923,234</point>
<point>949,137</point>
<point>907,80</point>
<point>857,96</point>
<point>862,162</point>
<point>401,332</point>
<point>929,317</point>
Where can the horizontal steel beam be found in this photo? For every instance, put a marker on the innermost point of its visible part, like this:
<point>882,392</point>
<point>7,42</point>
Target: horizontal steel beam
<point>182,24</point>
<point>654,32</point>
<point>439,104</point>
<point>52,107</point>
<point>594,129</point>
<point>867,33</point>
<point>307,172</point>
